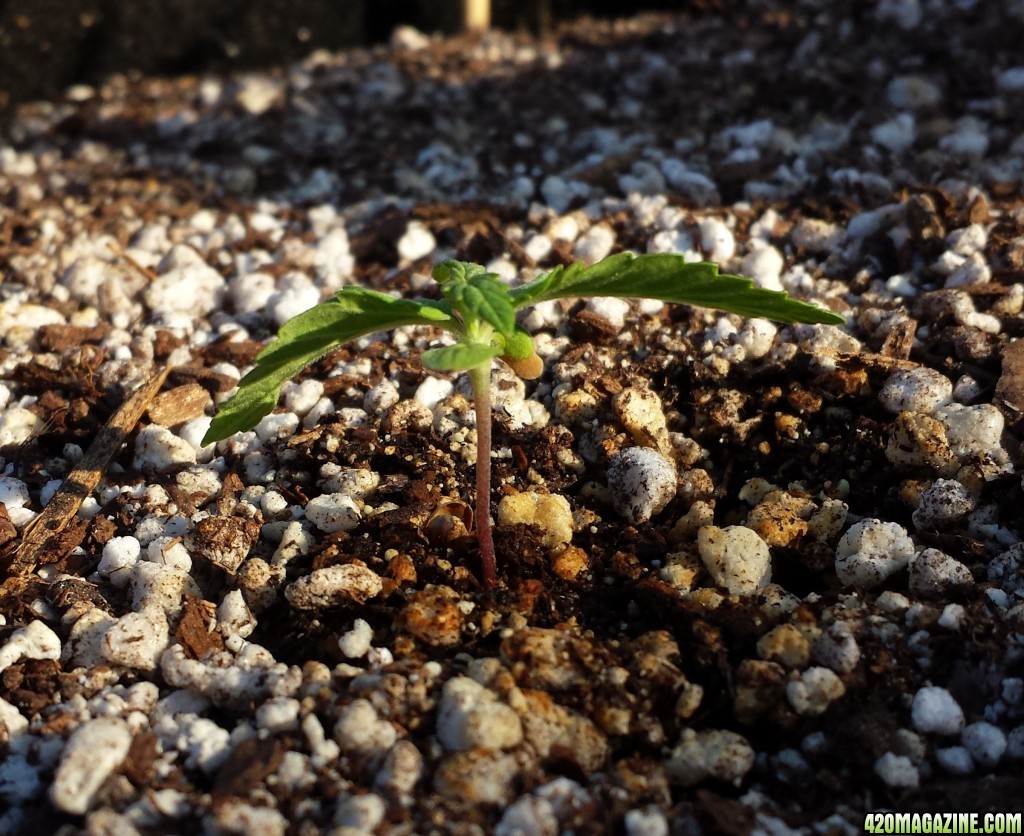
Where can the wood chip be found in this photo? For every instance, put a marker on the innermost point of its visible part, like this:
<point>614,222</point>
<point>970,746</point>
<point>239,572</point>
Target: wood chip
<point>249,763</point>
<point>868,360</point>
<point>142,754</point>
<point>63,337</point>
<point>178,405</point>
<point>193,633</point>
<point>1010,386</point>
<point>81,482</point>
<point>7,530</point>
<point>900,340</point>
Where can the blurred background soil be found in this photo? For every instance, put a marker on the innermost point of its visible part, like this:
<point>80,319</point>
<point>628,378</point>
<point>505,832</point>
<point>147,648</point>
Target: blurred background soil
<point>48,45</point>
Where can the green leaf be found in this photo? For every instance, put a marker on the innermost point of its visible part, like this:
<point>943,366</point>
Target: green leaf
<point>305,338</point>
<point>458,357</point>
<point>669,277</point>
<point>476,294</point>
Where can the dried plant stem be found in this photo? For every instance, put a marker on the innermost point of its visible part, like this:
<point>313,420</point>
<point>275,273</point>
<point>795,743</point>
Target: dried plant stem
<point>480,378</point>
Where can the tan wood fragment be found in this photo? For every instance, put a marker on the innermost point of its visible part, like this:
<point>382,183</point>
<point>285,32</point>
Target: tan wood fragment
<point>868,360</point>
<point>900,340</point>
<point>1010,386</point>
<point>81,482</point>
<point>178,405</point>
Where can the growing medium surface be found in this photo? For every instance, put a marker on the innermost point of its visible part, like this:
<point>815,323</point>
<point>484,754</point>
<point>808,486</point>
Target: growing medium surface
<point>751,575</point>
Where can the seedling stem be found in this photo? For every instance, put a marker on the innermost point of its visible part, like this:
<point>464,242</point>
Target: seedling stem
<point>480,378</point>
<point>479,310</point>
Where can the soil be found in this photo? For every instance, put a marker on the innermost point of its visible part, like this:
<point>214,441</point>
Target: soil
<point>608,687</point>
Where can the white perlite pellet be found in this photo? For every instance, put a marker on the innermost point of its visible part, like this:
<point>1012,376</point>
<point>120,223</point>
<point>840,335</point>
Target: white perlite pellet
<point>333,512</point>
<point>432,391</point>
<point>912,92</point>
<point>237,676</point>
<point>193,432</point>
<point>360,813</point>
<point>85,642</point>
<point>250,291</point>
<point>234,616</point>
<point>158,450</point>
<point>18,425</point>
<point>969,138</point>
<point>204,744</point>
<point>642,413</point>
<point>756,337</point>
<point>537,247</point>
<point>137,639</point>
<point>837,648</point>
<point>355,482</point>
<point>896,134</point>
<point>737,558</point>
<point>236,816</point>
<point>945,501</point>
<point>715,753</point>
<point>985,742</point>
<point>611,309</point>
<point>815,689</point>
<point>933,571</point>
<point>416,242</point>
<point>13,492</point>
<point>645,821</point>
<point>953,617</point>
<point>956,760</point>
<point>528,814</point>
<point>934,711</point>
<point>968,239</point>
<point>971,431</point>
<point>1015,744</point>
<point>594,244</point>
<point>302,397</point>
<point>1011,80</point>
<point>33,641</point>
<point>817,236</point>
<point>973,270</point>
<point>642,482</point>
<point>916,390</point>
<point>764,265</point>
<point>381,397</point>
<point>871,551</point>
<point>186,284</point>
<point>356,642</point>
<point>278,714</point>
<point>692,184</point>
<point>295,294</point>
<point>169,551</point>
<point>333,586</point>
<point>157,585</point>
<point>470,715</point>
<point>897,771</point>
<point>360,730</point>
<point>91,755</point>
<point>401,770</point>
<point>277,425</point>
<point>717,240</point>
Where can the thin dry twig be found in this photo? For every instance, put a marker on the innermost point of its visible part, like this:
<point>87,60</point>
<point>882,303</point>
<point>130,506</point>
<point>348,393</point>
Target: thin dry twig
<point>81,482</point>
<point>146,272</point>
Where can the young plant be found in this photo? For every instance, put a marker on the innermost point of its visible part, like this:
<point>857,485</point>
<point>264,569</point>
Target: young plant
<point>480,311</point>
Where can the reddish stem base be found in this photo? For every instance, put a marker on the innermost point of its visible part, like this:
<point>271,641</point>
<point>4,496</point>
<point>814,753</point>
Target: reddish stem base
<point>480,378</point>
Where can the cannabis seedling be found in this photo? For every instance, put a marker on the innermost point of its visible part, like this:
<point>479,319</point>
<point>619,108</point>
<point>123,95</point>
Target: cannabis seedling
<point>480,311</point>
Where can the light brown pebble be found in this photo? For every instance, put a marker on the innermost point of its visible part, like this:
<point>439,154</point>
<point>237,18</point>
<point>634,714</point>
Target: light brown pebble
<point>479,776</point>
<point>433,616</point>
